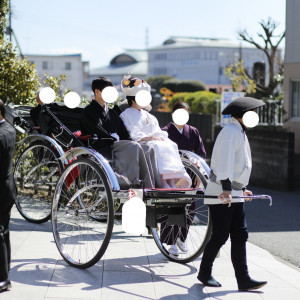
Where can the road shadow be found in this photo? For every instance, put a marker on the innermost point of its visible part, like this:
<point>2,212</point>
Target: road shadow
<point>282,216</point>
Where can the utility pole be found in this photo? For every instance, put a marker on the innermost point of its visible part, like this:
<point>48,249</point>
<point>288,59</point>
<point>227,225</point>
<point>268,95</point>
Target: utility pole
<point>9,30</point>
<point>146,38</point>
<point>240,53</point>
<point>9,20</point>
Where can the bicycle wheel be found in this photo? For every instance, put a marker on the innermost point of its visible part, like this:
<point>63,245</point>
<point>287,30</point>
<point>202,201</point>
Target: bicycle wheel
<point>197,230</point>
<point>36,175</point>
<point>82,213</point>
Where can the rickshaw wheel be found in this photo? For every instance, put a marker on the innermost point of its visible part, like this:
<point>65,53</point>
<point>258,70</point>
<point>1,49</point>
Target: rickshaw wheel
<point>36,174</point>
<point>197,222</point>
<point>82,213</point>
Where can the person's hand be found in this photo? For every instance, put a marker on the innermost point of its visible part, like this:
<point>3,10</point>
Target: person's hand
<point>146,139</point>
<point>115,135</point>
<point>225,197</point>
<point>197,182</point>
<point>156,138</point>
<point>247,193</point>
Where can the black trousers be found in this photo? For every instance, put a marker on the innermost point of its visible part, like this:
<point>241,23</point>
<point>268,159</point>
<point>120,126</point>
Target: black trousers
<point>227,221</point>
<point>5,208</point>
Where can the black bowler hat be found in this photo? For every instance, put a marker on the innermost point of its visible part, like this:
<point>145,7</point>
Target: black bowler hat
<point>240,105</point>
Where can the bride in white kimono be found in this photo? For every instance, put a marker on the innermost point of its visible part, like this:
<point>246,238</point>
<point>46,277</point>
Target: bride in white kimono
<point>144,127</point>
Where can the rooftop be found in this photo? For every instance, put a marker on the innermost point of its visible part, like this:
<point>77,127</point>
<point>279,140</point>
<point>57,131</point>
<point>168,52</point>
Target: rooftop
<point>183,42</point>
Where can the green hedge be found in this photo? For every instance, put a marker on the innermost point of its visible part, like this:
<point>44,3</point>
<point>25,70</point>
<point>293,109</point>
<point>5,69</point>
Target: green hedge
<point>178,86</point>
<point>199,102</point>
<point>175,85</point>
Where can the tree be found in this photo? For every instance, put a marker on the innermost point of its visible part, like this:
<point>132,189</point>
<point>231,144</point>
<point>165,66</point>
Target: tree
<point>3,12</point>
<point>239,78</point>
<point>19,80</point>
<point>157,82</point>
<point>270,46</point>
<point>18,77</point>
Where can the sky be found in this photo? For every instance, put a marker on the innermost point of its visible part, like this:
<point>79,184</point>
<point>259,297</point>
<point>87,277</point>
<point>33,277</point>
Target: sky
<point>100,29</point>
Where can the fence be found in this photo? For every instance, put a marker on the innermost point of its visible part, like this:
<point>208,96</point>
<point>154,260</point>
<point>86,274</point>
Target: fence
<point>269,114</point>
<point>202,122</point>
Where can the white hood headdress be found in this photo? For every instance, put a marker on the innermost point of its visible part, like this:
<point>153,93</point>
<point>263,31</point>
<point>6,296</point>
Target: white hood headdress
<point>130,87</point>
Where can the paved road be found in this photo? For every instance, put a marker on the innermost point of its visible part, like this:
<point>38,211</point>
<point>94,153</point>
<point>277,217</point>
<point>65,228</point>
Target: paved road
<point>276,228</point>
<point>132,268</point>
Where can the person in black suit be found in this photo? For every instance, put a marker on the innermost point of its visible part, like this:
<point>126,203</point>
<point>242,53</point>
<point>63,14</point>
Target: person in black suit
<point>7,195</point>
<point>126,157</point>
<point>35,111</point>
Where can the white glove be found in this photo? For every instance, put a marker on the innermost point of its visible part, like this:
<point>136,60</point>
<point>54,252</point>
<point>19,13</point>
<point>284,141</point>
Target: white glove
<point>115,135</point>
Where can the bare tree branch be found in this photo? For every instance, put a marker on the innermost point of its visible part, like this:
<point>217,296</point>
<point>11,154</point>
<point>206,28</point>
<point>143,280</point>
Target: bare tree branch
<point>270,49</point>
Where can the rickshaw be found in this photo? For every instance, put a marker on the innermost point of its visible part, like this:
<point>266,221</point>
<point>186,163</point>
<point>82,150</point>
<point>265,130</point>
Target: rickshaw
<point>87,196</point>
<point>37,168</point>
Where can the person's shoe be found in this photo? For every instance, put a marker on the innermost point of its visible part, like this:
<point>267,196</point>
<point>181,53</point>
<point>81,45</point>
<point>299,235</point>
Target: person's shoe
<point>208,280</point>
<point>182,245</point>
<point>196,221</point>
<point>174,250</point>
<point>5,285</point>
<point>251,284</point>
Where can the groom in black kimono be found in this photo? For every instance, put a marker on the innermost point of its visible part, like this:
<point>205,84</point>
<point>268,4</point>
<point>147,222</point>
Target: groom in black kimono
<point>7,194</point>
<point>127,157</point>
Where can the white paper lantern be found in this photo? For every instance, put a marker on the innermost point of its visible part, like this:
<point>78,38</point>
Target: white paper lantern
<point>134,216</point>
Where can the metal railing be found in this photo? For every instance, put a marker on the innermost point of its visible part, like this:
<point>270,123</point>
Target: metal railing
<point>270,114</point>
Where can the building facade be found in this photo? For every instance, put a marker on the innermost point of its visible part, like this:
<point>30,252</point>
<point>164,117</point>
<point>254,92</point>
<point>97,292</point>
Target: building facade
<point>291,83</point>
<point>71,65</point>
<point>134,62</point>
<point>201,59</point>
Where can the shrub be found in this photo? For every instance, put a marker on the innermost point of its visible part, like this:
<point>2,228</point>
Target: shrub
<point>177,86</point>
<point>199,102</point>
<point>157,82</point>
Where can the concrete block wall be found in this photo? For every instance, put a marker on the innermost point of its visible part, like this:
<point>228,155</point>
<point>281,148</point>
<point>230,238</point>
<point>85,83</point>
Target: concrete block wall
<point>273,158</point>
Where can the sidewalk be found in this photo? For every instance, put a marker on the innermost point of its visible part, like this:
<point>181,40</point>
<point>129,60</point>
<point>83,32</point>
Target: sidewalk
<point>132,268</point>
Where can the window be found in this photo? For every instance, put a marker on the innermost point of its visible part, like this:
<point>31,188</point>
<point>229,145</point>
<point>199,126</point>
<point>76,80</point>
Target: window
<point>295,99</point>
<point>160,56</point>
<point>221,70</point>
<point>67,66</point>
<point>160,71</point>
<point>45,65</point>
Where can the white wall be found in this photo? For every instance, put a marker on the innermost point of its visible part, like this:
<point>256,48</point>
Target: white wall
<point>292,40</point>
<point>57,66</point>
<point>201,63</point>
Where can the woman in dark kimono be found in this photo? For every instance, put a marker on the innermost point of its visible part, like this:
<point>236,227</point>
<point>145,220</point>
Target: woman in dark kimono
<point>187,138</point>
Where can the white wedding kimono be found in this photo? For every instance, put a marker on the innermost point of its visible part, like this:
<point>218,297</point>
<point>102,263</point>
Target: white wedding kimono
<point>141,124</point>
